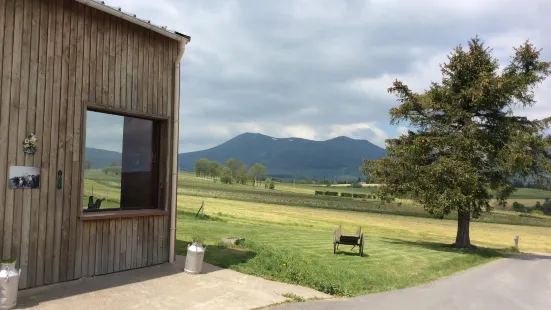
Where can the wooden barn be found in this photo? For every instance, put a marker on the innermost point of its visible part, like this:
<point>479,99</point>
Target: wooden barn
<point>78,76</point>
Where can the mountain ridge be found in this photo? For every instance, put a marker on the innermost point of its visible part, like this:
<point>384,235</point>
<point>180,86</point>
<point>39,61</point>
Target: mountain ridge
<point>338,157</point>
<point>335,158</point>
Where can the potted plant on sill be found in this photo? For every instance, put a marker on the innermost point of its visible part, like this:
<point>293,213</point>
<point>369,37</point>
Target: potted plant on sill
<point>9,283</point>
<point>195,254</point>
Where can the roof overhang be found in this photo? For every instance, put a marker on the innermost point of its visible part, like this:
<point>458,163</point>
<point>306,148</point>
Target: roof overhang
<point>100,5</point>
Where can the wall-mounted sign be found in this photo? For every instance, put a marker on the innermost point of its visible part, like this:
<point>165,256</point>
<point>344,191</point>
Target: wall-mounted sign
<point>24,177</point>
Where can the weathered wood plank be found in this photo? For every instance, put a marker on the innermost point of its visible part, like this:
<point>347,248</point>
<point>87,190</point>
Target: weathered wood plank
<point>135,241</point>
<point>164,83</point>
<point>6,130</point>
<point>45,225</point>
<point>98,77</point>
<point>36,94</point>
<point>105,60</point>
<point>159,248</point>
<point>112,60</point>
<point>155,236</point>
<point>26,124</point>
<point>99,248</point>
<point>158,77</point>
<point>75,230</point>
<point>77,269</point>
<point>111,251</point>
<point>93,250</point>
<point>86,254</point>
<point>105,248</point>
<point>93,65</point>
<point>71,21</point>
<point>86,91</point>
<point>117,70</point>
<point>14,197</point>
<point>125,60</point>
<point>150,80</point>
<point>151,239</point>
<point>135,68</point>
<point>145,241</point>
<point>121,254</point>
<point>4,119</point>
<point>60,219</point>
<point>129,243</point>
<point>117,248</point>
<point>142,90</point>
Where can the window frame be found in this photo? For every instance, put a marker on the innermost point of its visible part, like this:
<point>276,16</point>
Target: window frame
<point>163,123</point>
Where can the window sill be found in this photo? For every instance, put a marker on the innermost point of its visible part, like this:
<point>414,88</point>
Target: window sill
<point>120,214</point>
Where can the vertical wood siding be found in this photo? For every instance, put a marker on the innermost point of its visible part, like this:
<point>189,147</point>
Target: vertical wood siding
<point>55,57</point>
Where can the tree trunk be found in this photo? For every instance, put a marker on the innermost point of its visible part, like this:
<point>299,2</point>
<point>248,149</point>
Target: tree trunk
<point>463,239</point>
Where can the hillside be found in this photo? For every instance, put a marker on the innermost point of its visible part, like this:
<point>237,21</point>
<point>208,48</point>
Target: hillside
<point>288,157</point>
<point>101,158</point>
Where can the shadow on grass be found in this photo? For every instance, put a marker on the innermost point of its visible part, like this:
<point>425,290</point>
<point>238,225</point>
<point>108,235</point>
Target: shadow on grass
<point>445,247</point>
<point>348,251</point>
<point>219,255</point>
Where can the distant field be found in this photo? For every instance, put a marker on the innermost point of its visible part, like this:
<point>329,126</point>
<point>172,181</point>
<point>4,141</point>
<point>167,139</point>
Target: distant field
<point>303,195</point>
<point>107,186</point>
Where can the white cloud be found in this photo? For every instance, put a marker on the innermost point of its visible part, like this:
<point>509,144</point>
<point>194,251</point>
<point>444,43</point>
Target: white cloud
<point>402,130</point>
<point>364,131</point>
<point>298,131</point>
<point>315,68</point>
<point>418,79</point>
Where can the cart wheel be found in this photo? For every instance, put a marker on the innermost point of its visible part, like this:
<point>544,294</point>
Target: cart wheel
<point>362,245</point>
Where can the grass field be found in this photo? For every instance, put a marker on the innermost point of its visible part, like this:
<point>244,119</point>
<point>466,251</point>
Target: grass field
<point>289,235</point>
<point>294,244</point>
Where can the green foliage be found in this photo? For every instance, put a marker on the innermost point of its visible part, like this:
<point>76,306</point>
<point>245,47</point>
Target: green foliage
<point>237,168</point>
<point>226,176</point>
<point>465,144</point>
<point>328,193</point>
<point>205,168</point>
<point>346,194</point>
<point>8,261</point>
<point>200,239</point>
<point>112,170</point>
<point>537,212</point>
<point>269,183</point>
<point>360,196</point>
<point>519,207</point>
<point>319,192</point>
<point>257,172</point>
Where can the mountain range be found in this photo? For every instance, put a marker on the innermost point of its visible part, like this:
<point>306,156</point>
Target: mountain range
<point>337,158</point>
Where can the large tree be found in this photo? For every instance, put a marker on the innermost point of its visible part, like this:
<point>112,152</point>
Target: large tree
<point>257,171</point>
<point>237,167</point>
<point>465,144</point>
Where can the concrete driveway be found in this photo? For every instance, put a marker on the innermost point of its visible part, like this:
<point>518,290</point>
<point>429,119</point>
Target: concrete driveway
<point>522,282</point>
<point>162,287</point>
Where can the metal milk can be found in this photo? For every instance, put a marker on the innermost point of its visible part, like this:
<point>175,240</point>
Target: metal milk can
<point>194,258</point>
<point>9,285</point>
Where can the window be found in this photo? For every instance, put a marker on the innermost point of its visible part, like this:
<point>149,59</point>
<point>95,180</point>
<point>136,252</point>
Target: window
<point>121,163</point>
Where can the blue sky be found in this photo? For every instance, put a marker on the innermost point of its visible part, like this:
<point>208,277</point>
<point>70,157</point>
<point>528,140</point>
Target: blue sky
<point>317,69</point>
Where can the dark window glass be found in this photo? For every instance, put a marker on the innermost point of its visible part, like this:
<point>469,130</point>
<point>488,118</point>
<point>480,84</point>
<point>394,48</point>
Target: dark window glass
<point>121,168</point>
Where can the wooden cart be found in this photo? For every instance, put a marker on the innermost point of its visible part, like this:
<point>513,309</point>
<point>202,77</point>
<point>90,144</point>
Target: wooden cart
<point>356,240</point>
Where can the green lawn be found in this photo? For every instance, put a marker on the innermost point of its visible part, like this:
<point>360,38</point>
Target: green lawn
<point>294,244</point>
<point>289,231</point>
